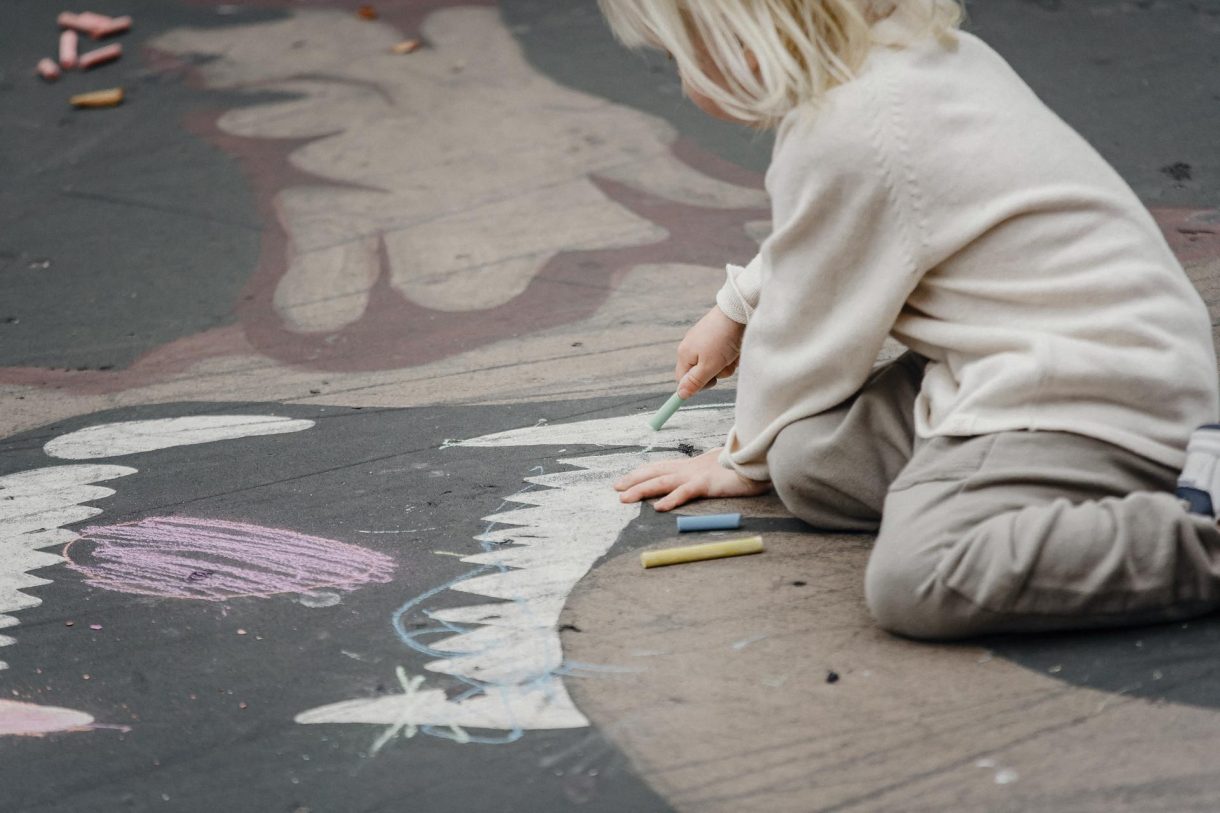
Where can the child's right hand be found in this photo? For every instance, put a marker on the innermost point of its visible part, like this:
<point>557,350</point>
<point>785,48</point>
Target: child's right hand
<point>708,351</point>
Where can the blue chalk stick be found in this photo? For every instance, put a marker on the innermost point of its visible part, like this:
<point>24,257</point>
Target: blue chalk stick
<point>709,522</point>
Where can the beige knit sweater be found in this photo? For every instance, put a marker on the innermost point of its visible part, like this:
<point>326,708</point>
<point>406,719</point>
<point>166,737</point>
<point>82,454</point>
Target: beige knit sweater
<point>937,200</point>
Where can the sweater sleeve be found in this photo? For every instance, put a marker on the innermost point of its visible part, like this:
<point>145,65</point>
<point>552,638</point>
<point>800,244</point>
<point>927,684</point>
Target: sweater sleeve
<point>738,297</point>
<point>839,265</point>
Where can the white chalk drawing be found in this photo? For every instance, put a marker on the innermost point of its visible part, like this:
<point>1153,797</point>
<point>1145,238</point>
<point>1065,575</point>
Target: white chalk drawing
<point>132,437</point>
<point>35,505</point>
<point>454,241</point>
<point>507,655</point>
<point>32,720</point>
<point>703,427</point>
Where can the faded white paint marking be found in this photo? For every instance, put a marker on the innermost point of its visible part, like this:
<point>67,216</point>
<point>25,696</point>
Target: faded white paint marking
<point>745,642</point>
<point>530,708</point>
<point>510,650</point>
<point>32,720</point>
<point>34,507</point>
<point>319,598</point>
<point>701,426</point>
<point>131,437</point>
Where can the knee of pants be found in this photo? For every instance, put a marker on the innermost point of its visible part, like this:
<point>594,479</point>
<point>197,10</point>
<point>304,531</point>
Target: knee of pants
<point>799,476</point>
<point>906,595</point>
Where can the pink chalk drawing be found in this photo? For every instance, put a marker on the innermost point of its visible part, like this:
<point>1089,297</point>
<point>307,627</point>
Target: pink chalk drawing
<point>32,720</point>
<point>215,560</point>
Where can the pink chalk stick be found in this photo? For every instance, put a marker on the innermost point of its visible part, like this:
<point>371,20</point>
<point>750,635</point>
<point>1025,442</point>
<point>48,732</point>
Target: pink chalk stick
<point>97,26</point>
<point>116,25</point>
<point>92,20</point>
<point>67,49</point>
<point>97,56</point>
<point>47,69</point>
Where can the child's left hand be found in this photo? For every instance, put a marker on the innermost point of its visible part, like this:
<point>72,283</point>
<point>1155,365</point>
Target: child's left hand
<point>681,481</point>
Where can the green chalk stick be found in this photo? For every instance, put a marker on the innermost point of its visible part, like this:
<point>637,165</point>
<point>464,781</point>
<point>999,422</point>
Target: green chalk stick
<point>666,412</point>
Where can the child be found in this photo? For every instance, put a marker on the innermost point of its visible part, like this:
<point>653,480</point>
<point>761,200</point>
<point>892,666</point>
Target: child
<point>1018,464</point>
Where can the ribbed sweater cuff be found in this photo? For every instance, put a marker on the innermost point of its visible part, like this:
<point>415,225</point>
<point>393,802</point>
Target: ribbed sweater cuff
<point>734,297</point>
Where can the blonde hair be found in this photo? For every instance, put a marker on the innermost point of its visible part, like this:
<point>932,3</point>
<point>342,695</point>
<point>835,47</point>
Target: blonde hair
<point>803,48</point>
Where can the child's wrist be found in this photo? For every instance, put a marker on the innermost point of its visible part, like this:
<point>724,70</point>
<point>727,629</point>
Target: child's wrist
<point>727,318</point>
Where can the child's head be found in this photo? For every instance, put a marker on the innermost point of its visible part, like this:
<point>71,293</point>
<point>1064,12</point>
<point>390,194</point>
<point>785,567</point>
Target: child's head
<point>754,60</point>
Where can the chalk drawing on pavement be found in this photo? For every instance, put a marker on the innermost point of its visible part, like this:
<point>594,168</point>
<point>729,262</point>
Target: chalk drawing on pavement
<point>216,560</point>
<point>36,504</point>
<point>379,257</point>
<point>507,655</point>
<point>34,507</point>
<point>33,720</point>
<point>131,437</point>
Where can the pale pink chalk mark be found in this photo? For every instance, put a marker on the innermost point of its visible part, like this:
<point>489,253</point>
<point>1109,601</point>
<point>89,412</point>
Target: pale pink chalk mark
<point>47,69</point>
<point>97,56</point>
<point>32,720</point>
<point>68,41</point>
<point>215,560</point>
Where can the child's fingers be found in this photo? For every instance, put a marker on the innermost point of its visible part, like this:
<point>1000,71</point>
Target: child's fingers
<point>683,376</point>
<point>695,379</point>
<point>682,367</point>
<point>687,359</point>
<point>655,487</point>
<point>646,472</point>
<point>679,496</point>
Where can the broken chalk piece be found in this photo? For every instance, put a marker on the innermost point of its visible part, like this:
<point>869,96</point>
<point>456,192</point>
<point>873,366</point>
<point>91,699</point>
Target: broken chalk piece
<point>47,69</point>
<point>666,412</point>
<point>709,522</point>
<point>112,26</point>
<point>97,56</point>
<point>97,26</point>
<point>406,46</point>
<point>116,26</point>
<point>67,49</point>
<point>98,98</point>
<point>90,19</point>
<point>697,553</point>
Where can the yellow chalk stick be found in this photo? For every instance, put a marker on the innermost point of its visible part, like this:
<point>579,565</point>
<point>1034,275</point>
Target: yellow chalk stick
<point>98,98</point>
<point>697,553</point>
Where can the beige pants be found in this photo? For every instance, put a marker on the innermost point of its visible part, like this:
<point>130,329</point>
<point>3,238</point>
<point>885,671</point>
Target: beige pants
<point>1008,532</point>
